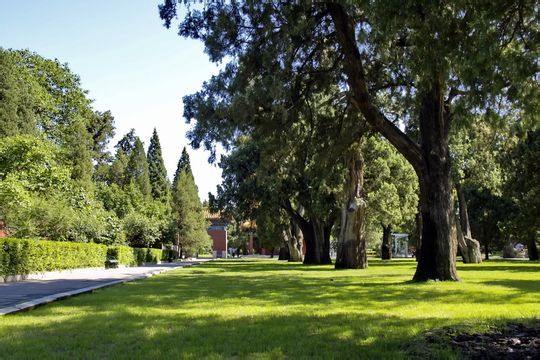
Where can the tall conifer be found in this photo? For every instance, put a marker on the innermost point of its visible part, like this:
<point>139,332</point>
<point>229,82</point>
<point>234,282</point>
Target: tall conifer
<point>157,171</point>
<point>187,208</point>
<point>137,168</point>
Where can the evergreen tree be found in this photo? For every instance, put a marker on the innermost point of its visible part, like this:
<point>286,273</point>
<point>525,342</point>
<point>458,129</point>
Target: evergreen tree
<point>127,143</point>
<point>137,168</point>
<point>157,171</point>
<point>183,164</point>
<point>188,212</point>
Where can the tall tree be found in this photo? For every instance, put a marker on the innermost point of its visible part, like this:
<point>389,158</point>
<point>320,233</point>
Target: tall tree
<point>137,168</point>
<point>157,171</point>
<point>430,59</point>
<point>183,164</point>
<point>523,187</point>
<point>190,223</point>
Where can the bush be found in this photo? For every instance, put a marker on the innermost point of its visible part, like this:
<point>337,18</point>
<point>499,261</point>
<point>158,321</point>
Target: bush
<point>129,256</point>
<point>25,256</point>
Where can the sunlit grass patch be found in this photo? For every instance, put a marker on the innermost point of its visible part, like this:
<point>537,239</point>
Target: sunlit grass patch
<point>270,309</point>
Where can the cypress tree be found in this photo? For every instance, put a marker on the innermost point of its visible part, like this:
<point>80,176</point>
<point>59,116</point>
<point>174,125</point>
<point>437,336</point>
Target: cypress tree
<point>187,209</point>
<point>137,168</point>
<point>183,164</point>
<point>157,171</point>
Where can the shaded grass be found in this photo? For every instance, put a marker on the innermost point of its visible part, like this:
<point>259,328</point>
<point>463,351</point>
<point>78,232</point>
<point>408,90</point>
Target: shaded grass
<point>269,309</point>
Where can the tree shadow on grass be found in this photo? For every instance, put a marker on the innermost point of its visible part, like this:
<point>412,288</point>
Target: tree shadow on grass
<point>219,311</point>
<point>127,335</point>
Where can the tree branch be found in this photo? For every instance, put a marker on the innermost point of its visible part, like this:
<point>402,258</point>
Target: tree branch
<point>362,99</point>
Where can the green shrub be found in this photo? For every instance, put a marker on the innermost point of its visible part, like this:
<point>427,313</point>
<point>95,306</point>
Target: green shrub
<point>25,256</point>
<point>129,256</point>
<point>169,255</point>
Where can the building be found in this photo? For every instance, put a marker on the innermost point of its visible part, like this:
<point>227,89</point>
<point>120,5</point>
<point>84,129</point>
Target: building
<point>218,233</point>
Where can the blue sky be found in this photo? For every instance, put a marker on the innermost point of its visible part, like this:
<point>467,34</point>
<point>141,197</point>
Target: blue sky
<point>127,60</point>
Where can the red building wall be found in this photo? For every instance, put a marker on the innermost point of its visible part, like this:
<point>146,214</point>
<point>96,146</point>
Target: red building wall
<point>219,239</point>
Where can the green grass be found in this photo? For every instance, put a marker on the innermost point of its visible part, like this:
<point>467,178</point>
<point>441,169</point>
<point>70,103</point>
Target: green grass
<point>265,309</point>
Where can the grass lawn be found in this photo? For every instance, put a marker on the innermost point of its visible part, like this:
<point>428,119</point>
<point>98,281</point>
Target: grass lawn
<point>273,310</point>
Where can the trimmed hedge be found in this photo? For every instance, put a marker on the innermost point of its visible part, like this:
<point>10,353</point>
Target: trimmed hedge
<point>26,256</point>
<point>129,256</point>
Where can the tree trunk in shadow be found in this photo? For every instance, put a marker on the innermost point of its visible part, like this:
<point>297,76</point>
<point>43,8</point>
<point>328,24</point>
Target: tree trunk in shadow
<point>439,244</point>
<point>317,244</point>
<point>351,247</point>
<point>532,248</point>
<point>284,253</point>
<point>386,246</point>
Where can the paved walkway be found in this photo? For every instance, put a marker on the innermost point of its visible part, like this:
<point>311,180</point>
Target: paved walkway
<point>17,296</point>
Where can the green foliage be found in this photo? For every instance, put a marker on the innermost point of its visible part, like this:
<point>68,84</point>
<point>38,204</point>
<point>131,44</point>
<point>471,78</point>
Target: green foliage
<point>25,256</point>
<point>390,183</point>
<point>157,171</point>
<point>523,185</point>
<point>189,221</point>
<point>183,164</point>
<point>129,256</point>
<point>140,230</point>
<point>19,97</point>
<point>137,169</point>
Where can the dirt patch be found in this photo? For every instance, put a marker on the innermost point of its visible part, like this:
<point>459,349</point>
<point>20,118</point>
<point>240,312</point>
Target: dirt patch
<point>511,342</point>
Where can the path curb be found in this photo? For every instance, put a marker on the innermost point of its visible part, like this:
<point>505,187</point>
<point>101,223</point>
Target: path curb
<point>28,305</point>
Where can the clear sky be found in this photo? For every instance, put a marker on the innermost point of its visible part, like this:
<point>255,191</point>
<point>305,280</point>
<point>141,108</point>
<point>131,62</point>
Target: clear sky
<point>127,60</point>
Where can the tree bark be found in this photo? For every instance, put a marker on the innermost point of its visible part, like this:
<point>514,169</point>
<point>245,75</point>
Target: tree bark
<point>439,243</point>
<point>430,160</point>
<point>318,245</point>
<point>386,246</point>
<point>463,212</point>
<point>316,235</point>
<point>284,253</point>
<point>351,247</point>
<point>418,220</point>
<point>293,239</point>
<point>468,247</point>
<point>486,247</point>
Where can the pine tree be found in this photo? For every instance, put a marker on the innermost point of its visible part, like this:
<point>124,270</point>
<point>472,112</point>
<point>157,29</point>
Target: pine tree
<point>157,171</point>
<point>137,168</point>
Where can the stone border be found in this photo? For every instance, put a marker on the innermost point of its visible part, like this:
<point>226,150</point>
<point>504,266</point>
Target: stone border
<point>28,305</point>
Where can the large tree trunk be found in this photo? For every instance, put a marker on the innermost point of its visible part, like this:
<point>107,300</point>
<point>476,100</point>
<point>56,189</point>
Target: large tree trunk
<point>431,160</point>
<point>318,244</point>
<point>316,236</point>
<point>284,253</point>
<point>439,244</point>
<point>486,249</point>
<point>351,247</point>
<point>386,246</point>
<point>469,248</point>
<point>293,240</point>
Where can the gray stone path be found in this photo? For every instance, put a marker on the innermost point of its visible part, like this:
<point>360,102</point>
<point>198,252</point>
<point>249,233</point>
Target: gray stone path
<point>17,296</point>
